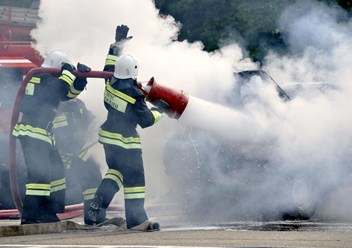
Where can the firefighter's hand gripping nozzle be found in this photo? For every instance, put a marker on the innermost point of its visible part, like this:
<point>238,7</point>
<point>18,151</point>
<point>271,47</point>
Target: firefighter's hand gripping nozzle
<point>175,99</point>
<point>161,105</point>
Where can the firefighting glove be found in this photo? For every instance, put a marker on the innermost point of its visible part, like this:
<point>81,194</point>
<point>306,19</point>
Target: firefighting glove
<point>80,83</point>
<point>68,67</point>
<point>161,105</point>
<point>121,33</point>
<point>83,68</point>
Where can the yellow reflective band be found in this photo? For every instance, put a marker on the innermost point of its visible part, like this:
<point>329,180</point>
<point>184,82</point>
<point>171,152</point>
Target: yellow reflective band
<point>139,189</point>
<point>58,188</point>
<point>110,60</point>
<point>115,102</point>
<point>33,132</point>
<point>90,191</point>
<point>73,92</point>
<point>31,86</point>
<point>119,137</point>
<point>118,140</point>
<point>119,94</point>
<point>58,182</point>
<point>60,121</point>
<point>88,194</point>
<point>116,176</point>
<point>134,192</point>
<point>30,89</point>
<point>135,196</point>
<point>38,189</point>
<point>41,186</point>
<point>37,192</point>
<point>85,154</point>
<point>67,76</point>
<point>57,185</point>
<point>119,143</point>
<point>35,80</point>
<point>157,115</point>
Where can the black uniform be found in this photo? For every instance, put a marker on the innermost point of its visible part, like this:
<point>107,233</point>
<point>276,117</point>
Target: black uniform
<point>126,109</point>
<point>45,188</point>
<point>72,129</point>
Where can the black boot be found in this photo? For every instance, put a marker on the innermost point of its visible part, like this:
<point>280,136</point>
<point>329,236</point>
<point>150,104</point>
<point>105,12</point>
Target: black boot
<point>93,212</point>
<point>48,218</point>
<point>36,210</point>
<point>86,206</point>
<point>135,212</point>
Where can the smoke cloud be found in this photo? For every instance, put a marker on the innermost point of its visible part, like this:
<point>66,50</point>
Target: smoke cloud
<point>258,141</point>
<point>87,33</point>
<point>317,136</point>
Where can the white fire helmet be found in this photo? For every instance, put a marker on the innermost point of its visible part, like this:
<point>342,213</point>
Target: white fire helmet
<point>126,67</point>
<point>56,58</point>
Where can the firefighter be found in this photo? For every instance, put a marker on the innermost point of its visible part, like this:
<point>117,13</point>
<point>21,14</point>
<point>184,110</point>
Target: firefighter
<point>126,108</point>
<point>72,128</point>
<point>45,186</point>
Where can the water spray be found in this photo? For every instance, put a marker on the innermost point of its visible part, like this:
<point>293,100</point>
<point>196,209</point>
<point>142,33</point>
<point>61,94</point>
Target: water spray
<point>189,110</point>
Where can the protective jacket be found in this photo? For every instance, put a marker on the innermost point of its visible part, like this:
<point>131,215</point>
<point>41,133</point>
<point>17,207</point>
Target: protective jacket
<point>127,108</point>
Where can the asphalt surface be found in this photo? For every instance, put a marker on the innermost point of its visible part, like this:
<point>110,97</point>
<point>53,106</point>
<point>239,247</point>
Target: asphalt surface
<point>238,234</point>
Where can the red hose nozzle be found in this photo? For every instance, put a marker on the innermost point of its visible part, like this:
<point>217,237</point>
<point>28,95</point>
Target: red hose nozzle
<point>177,100</point>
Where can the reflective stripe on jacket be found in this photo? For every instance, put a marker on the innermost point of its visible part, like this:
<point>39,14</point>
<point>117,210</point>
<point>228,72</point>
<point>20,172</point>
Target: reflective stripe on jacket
<point>33,132</point>
<point>117,139</point>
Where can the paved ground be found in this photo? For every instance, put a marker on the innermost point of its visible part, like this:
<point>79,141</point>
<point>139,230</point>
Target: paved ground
<point>240,234</point>
<point>195,238</point>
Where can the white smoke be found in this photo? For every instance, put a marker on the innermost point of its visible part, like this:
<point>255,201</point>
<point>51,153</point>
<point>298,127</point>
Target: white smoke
<point>305,132</point>
<point>85,29</point>
<point>317,131</point>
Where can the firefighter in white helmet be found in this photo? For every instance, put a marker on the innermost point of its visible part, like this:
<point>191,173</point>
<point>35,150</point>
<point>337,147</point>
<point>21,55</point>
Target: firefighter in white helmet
<point>127,108</point>
<point>45,187</point>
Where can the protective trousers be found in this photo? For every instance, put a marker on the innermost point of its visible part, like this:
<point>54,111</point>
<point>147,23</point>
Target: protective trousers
<point>125,170</point>
<point>45,188</point>
<point>82,179</point>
